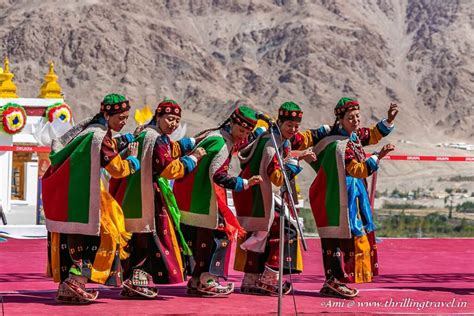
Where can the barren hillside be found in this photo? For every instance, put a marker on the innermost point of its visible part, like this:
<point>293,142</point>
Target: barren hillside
<point>210,53</point>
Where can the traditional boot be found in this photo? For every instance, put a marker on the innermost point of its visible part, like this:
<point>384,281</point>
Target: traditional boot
<point>209,286</point>
<point>137,286</point>
<point>268,282</point>
<point>73,291</point>
<point>333,288</point>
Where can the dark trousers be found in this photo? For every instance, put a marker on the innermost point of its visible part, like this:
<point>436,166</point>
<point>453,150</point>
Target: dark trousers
<point>211,251</point>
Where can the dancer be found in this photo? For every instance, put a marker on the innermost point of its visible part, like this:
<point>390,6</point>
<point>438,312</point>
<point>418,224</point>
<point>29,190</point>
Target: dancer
<point>150,209</point>
<point>258,209</point>
<point>86,226</point>
<point>339,199</point>
<point>209,224</point>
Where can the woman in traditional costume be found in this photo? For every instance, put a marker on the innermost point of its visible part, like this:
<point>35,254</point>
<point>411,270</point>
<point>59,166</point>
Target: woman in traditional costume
<point>339,198</point>
<point>150,209</point>
<point>257,209</point>
<point>86,226</point>
<point>209,224</point>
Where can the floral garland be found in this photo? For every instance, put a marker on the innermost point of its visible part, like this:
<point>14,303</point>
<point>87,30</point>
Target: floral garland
<point>60,111</point>
<point>12,118</point>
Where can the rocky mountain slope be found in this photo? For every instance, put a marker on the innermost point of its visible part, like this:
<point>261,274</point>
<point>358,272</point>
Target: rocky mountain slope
<point>209,54</point>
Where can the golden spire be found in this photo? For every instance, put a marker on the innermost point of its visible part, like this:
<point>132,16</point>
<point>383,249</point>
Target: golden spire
<point>7,87</point>
<point>50,88</point>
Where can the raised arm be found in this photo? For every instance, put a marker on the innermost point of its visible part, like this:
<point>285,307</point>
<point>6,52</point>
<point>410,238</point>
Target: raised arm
<point>371,136</point>
<point>309,138</point>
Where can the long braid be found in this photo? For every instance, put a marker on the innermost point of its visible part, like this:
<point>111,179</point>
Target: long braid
<point>227,121</point>
<point>335,127</point>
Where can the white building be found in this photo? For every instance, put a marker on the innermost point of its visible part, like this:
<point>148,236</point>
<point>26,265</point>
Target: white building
<point>19,154</point>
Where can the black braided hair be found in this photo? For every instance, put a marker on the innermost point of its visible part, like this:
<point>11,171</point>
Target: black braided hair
<point>335,127</point>
<point>226,122</point>
<point>99,118</point>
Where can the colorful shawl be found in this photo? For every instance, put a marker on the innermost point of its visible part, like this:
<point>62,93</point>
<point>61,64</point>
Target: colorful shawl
<point>71,186</point>
<point>328,192</point>
<point>255,207</point>
<point>198,197</point>
<point>136,192</point>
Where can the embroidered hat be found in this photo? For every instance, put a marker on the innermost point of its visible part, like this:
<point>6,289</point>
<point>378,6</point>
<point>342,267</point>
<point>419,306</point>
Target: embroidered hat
<point>114,104</point>
<point>290,111</point>
<point>168,106</point>
<point>244,116</point>
<point>344,105</point>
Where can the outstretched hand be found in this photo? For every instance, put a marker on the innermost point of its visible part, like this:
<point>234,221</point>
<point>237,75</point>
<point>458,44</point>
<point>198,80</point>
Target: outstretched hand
<point>309,156</point>
<point>392,113</point>
<point>255,180</point>
<point>385,150</point>
<point>133,149</point>
<point>138,130</point>
<point>199,153</point>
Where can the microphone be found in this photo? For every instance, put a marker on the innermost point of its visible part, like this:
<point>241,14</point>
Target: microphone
<point>264,117</point>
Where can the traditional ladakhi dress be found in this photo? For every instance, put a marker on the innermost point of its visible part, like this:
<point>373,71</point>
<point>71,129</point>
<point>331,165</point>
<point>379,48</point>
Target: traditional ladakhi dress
<point>208,221</point>
<point>258,214</point>
<point>341,207</point>
<point>151,213</point>
<point>86,225</point>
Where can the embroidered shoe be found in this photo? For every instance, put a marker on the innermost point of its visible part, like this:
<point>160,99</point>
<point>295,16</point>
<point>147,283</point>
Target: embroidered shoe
<point>215,289</point>
<point>73,292</point>
<point>268,282</point>
<point>209,286</point>
<point>332,287</point>
<point>129,290</point>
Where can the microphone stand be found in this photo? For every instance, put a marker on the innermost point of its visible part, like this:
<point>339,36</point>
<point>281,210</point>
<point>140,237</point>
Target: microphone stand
<point>286,188</point>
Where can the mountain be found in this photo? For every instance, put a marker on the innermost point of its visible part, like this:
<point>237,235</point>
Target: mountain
<point>210,54</point>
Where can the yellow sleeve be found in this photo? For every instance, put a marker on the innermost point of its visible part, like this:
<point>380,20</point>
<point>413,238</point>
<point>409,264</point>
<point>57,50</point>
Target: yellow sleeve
<point>304,140</point>
<point>357,169</point>
<point>277,178</point>
<point>375,135</point>
<point>118,167</point>
<point>174,170</point>
<point>175,150</point>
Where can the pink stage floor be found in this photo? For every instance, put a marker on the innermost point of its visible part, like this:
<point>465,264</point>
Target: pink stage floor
<point>434,276</point>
